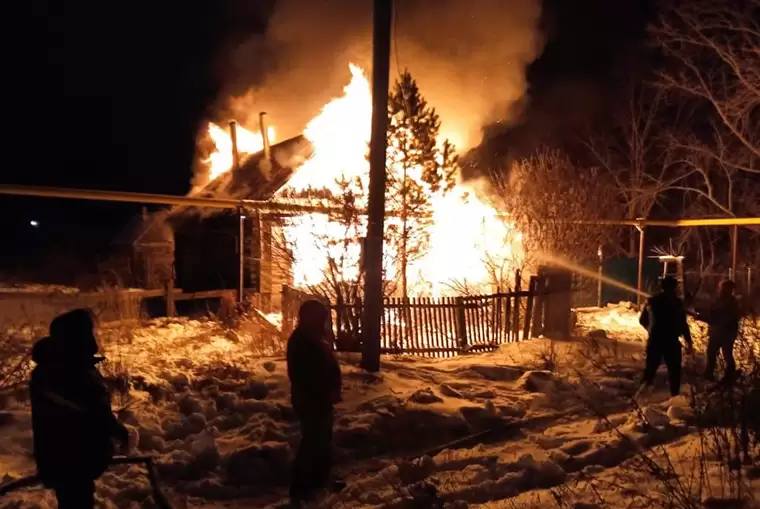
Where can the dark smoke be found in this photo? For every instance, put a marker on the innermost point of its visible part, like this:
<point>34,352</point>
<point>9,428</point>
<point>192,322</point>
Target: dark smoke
<point>557,119</point>
<point>596,49</point>
<point>469,57</point>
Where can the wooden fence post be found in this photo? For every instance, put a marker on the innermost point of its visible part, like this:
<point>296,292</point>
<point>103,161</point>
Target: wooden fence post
<point>529,306</point>
<point>169,296</point>
<point>461,324</point>
<point>357,315</point>
<point>557,312</point>
<point>508,315</point>
<point>285,307</point>
<point>538,307</point>
<point>516,310</point>
<point>339,336</point>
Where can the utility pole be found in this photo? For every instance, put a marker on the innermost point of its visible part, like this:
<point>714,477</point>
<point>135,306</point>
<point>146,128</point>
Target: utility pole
<point>241,217</point>
<point>734,251</point>
<point>599,286</point>
<point>640,275</point>
<point>373,276</point>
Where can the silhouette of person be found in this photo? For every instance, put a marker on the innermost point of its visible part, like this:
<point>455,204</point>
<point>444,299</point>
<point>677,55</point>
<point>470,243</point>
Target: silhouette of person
<point>664,317</point>
<point>72,420</point>
<point>722,318</point>
<point>315,380</point>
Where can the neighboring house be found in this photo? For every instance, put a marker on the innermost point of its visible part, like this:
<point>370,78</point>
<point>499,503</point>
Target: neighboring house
<point>204,242</point>
<point>145,252</point>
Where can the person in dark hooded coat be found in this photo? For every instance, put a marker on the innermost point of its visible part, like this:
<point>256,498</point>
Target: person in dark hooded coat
<point>73,424</point>
<point>315,387</point>
<point>664,317</point>
<point>723,317</point>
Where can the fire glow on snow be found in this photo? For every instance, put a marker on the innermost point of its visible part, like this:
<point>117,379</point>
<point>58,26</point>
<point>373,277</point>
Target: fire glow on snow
<point>470,244</point>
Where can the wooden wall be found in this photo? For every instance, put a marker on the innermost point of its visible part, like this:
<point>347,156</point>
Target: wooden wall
<point>206,253</point>
<point>207,257</point>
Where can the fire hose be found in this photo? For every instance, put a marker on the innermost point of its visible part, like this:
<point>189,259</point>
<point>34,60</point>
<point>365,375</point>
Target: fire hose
<point>158,496</point>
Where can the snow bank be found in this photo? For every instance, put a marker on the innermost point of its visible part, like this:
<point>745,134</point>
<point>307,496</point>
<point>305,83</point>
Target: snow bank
<point>620,320</point>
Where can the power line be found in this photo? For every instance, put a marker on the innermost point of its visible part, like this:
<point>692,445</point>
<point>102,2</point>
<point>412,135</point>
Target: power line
<point>395,39</point>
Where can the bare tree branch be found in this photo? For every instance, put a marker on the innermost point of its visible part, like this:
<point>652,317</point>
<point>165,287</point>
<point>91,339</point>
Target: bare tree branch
<point>635,152</point>
<point>716,50</point>
<point>542,192</point>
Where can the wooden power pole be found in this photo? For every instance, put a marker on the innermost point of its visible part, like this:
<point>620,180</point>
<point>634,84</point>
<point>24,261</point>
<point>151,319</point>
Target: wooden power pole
<point>640,272</point>
<point>373,256</point>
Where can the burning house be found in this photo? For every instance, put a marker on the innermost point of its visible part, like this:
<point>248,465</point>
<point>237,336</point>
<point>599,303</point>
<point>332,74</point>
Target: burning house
<point>468,243</point>
<point>208,242</point>
<point>198,249</point>
<point>470,250</point>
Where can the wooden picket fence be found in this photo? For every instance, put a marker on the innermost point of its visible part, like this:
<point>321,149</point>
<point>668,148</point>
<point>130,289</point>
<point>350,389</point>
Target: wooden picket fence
<point>437,327</point>
<point>445,326</point>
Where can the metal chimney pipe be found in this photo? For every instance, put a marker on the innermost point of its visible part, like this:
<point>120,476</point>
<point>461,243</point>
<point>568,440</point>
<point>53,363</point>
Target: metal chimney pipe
<point>265,164</point>
<point>265,135</point>
<point>233,138</point>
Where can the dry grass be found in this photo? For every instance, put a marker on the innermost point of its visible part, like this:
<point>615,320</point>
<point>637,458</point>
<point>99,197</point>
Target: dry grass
<point>15,365</point>
<point>17,334</point>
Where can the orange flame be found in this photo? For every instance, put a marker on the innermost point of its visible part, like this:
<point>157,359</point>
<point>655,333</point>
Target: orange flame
<point>248,143</point>
<point>471,245</point>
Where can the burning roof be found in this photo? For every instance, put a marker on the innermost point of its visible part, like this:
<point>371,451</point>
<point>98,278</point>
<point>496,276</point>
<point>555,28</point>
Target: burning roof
<point>252,180</point>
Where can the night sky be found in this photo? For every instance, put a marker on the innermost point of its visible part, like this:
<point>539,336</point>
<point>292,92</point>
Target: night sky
<point>112,98</point>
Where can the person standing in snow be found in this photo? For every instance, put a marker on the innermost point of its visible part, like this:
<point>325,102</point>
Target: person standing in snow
<point>722,319</point>
<point>315,381</point>
<point>665,318</point>
<point>72,420</point>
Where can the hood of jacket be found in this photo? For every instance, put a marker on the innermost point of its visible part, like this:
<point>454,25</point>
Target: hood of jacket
<point>50,351</point>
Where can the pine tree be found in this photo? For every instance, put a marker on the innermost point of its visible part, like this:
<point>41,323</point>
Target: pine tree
<point>417,167</point>
<point>338,241</point>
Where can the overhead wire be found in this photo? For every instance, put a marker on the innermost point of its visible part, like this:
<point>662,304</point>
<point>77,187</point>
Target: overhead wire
<point>395,38</point>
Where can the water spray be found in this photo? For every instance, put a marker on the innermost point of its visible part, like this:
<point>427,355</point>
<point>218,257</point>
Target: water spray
<point>558,261</point>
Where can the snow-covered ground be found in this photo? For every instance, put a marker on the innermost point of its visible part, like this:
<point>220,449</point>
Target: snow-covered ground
<point>620,321</point>
<point>216,415</point>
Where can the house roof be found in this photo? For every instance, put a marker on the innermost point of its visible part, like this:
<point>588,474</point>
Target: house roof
<point>248,182</point>
<point>251,180</point>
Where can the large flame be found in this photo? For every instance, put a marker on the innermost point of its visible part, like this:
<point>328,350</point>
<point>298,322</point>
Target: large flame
<point>247,143</point>
<point>339,135</point>
<point>471,246</point>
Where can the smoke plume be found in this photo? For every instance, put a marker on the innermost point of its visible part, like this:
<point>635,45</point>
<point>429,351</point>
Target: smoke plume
<point>469,58</point>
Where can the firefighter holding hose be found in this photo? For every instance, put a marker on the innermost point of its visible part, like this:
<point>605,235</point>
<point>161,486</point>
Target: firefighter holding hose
<point>664,317</point>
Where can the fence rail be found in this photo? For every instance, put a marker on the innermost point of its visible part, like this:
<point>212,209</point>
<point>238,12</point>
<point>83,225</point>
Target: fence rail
<point>437,327</point>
